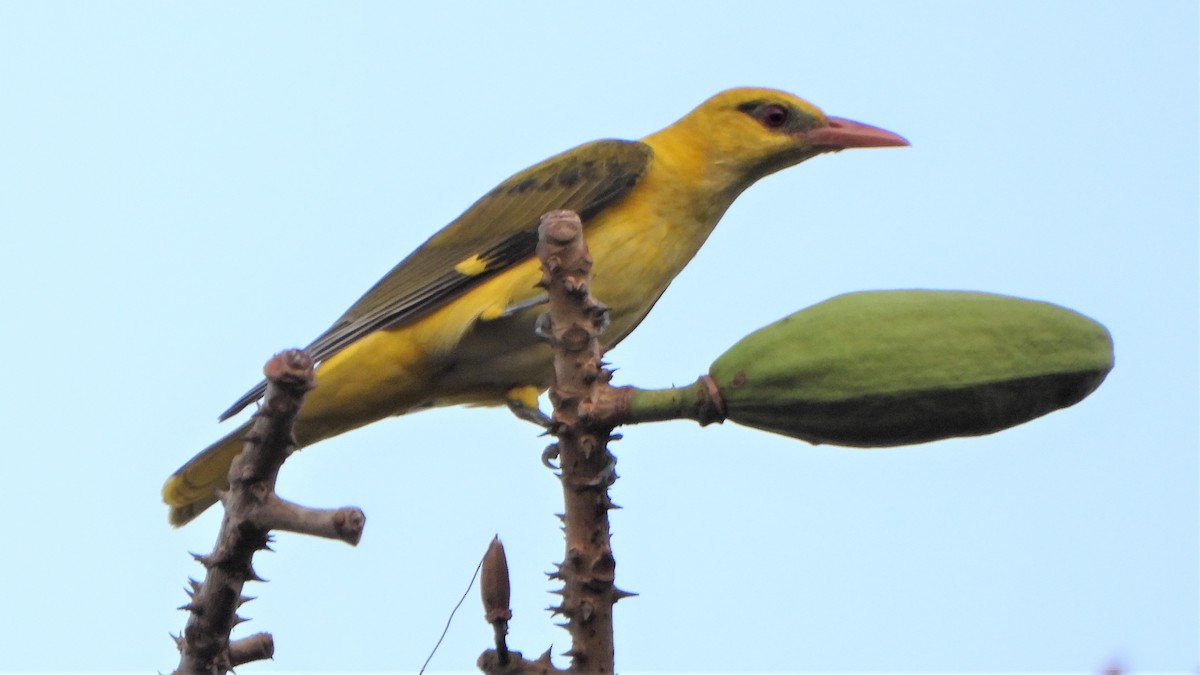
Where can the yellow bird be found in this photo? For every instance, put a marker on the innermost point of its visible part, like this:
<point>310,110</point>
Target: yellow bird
<point>453,322</point>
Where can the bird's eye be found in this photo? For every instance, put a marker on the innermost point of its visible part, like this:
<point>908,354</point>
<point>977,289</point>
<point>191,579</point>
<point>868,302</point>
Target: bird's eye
<point>773,115</point>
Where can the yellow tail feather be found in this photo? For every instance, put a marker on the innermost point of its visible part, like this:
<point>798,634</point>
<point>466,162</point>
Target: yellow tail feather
<point>192,489</point>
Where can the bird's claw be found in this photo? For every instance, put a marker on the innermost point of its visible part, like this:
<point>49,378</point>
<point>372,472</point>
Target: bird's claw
<point>542,328</point>
<point>549,455</point>
<point>529,413</point>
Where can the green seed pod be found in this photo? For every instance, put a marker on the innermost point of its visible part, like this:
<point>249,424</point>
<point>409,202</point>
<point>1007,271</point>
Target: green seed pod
<point>889,368</point>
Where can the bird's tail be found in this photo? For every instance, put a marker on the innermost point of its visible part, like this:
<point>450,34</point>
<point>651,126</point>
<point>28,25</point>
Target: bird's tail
<point>193,488</point>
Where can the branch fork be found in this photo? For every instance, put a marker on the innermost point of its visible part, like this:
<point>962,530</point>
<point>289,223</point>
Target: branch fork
<point>252,511</point>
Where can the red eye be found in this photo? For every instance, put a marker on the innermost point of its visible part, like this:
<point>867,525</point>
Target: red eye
<point>773,115</point>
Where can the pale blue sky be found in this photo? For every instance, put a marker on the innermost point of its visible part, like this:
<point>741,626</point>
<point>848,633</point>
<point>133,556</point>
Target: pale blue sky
<point>186,188</point>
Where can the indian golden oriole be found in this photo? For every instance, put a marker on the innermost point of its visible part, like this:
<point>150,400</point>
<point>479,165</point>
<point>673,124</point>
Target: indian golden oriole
<point>453,322</point>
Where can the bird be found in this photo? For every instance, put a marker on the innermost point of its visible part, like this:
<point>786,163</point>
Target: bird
<point>453,322</point>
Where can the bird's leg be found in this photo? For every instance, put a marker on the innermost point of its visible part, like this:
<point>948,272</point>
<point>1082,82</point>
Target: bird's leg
<point>503,311</point>
<point>523,402</point>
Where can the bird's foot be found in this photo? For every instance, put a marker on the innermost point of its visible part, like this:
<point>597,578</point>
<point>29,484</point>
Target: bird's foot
<point>523,402</point>
<point>549,455</point>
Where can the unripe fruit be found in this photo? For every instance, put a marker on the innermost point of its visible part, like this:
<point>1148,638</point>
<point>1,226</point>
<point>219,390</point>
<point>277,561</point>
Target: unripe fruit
<point>888,368</point>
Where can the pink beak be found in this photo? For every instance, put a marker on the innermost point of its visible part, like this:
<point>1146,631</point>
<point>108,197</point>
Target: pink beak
<point>839,133</point>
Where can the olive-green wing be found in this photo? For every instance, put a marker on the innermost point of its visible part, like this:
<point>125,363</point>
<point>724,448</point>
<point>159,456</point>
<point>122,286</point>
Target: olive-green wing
<point>495,233</point>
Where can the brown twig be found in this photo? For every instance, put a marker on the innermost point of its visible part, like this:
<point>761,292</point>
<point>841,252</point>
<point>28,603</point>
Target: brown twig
<point>571,326</point>
<point>576,319</point>
<point>252,510</point>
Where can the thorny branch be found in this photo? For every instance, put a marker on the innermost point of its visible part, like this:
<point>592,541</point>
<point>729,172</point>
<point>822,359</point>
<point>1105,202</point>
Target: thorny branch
<point>574,322</point>
<point>252,510</point>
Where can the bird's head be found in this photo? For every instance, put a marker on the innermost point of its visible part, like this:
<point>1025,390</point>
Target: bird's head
<point>749,133</point>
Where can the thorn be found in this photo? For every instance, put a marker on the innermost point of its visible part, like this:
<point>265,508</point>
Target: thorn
<point>192,607</point>
<point>545,657</point>
<point>618,594</point>
<point>194,584</point>
<point>239,619</point>
<point>615,437</point>
<point>246,598</point>
<point>555,610</point>
<point>203,559</point>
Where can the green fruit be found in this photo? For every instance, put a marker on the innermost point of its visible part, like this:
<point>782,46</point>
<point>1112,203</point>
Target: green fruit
<point>891,368</point>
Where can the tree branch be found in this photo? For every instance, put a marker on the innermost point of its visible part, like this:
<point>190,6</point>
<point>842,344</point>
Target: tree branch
<point>581,388</point>
<point>576,319</point>
<point>252,510</point>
